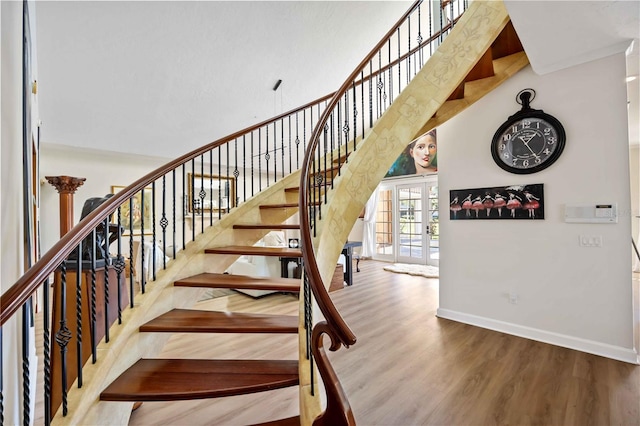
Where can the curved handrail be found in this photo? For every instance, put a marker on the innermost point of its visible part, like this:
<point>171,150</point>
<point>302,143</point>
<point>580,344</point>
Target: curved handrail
<point>19,293</point>
<point>338,411</point>
<point>331,314</point>
<point>335,326</point>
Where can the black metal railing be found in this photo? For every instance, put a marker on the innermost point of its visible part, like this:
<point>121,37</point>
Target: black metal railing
<point>140,220</point>
<point>348,116</point>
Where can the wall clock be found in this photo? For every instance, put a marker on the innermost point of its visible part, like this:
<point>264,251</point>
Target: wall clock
<point>530,140</point>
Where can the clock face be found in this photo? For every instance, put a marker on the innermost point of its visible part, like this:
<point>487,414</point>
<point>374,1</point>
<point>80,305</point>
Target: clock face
<point>528,144</point>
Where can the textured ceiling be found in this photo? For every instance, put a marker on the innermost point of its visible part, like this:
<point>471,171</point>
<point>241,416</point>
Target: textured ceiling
<point>162,78</point>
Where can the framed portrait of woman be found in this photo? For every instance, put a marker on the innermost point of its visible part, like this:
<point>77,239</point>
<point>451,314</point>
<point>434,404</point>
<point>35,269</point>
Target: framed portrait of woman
<point>420,157</point>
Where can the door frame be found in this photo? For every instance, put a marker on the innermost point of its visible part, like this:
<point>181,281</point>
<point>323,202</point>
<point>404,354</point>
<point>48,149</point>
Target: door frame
<point>394,185</point>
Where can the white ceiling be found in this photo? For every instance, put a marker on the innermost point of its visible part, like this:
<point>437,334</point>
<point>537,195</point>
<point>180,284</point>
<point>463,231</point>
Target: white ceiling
<point>162,78</point>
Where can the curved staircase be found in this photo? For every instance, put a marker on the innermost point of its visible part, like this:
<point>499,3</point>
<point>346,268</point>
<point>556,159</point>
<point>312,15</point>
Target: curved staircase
<point>480,53</point>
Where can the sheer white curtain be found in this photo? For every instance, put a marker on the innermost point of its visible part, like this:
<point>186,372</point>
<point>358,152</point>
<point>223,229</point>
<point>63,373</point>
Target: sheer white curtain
<point>369,228</point>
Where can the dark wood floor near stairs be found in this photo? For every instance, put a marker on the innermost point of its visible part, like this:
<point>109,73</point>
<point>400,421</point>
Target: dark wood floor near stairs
<point>411,368</point>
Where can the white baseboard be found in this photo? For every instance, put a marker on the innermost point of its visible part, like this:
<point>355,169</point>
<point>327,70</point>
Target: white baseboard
<point>583,345</point>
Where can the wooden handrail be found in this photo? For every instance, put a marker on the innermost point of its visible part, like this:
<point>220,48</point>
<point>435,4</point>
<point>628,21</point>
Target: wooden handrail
<point>18,294</point>
<point>14,297</point>
<point>331,314</point>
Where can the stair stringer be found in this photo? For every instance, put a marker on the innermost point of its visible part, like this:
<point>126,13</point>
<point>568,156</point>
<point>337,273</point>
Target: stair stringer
<point>127,345</point>
<point>405,119</point>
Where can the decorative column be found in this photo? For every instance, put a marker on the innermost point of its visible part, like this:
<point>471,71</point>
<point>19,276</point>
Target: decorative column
<point>66,186</point>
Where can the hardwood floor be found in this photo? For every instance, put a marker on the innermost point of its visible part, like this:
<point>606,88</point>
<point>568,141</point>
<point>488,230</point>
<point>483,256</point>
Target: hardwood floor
<point>411,368</point>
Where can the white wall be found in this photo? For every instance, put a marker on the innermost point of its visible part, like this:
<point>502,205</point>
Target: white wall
<point>101,169</point>
<point>567,295</point>
<point>11,207</point>
<point>104,169</point>
<point>634,168</point>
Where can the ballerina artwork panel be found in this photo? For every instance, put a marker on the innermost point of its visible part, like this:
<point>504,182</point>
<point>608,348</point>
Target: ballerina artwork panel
<point>503,202</point>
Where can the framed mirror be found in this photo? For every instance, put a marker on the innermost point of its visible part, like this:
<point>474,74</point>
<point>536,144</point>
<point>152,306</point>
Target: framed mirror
<point>210,193</point>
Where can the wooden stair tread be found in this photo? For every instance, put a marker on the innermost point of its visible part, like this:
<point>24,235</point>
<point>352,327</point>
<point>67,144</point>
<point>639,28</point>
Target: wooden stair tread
<point>187,379</point>
<point>211,280</point>
<point>267,226</point>
<point>198,321</point>
<point>317,185</point>
<point>284,205</point>
<point>256,251</point>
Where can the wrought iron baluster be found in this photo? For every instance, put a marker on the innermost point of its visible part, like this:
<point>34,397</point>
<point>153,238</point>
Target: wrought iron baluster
<point>332,141</point>
<point>441,35</point>
<point>105,235</point>
<point>119,265</point>
<point>211,187</point>
<point>173,216</point>
<point>297,144</point>
<point>451,15</point>
<point>355,118</point>
<point>202,194</point>
<point>26,364</point>
<point>192,194</point>
<point>361,107</point>
<point>163,221</point>
<point>154,242</point>
<point>47,353</point>
<point>63,335</point>
<point>431,43</point>
<point>390,77</point>
<point>290,148</point>
<point>339,134</point>
<point>185,209</point>
<point>79,360</point>
<point>236,174</point>
<point>370,79</point>
<point>244,168</point>
<point>379,85</point>
<point>93,308</point>
<point>260,160</point>
<point>304,127</point>
<point>282,146</point>
<point>345,129</point>
<point>420,39</point>
<point>409,49</point>
<point>325,168</point>
<point>226,150</point>
<point>143,273</point>
<point>219,184</point>
<point>132,266</point>
<point>252,176</point>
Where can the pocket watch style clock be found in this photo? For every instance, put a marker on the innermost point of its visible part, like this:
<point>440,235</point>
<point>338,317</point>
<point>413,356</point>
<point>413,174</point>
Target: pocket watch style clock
<point>529,141</point>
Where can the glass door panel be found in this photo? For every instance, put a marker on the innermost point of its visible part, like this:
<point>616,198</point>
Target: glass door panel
<point>411,236</point>
<point>384,225</point>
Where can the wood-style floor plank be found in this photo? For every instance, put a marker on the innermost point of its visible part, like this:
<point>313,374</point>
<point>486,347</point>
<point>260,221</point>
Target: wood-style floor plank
<point>409,367</point>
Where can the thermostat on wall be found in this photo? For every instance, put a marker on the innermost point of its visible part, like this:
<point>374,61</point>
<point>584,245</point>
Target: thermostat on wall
<point>591,213</point>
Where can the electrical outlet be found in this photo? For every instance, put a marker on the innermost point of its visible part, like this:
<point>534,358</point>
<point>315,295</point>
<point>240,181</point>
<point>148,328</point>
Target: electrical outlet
<point>513,298</point>
<point>590,240</point>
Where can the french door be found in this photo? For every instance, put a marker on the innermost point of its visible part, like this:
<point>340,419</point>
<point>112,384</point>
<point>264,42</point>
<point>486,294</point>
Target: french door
<point>407,228</point>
